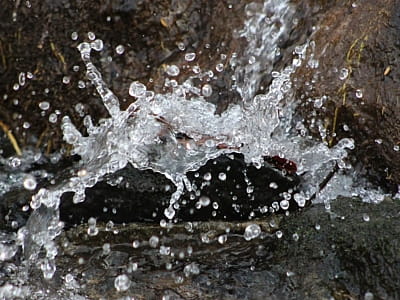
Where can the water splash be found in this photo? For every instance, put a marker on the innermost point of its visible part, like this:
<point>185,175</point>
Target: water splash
<point>179,131</point>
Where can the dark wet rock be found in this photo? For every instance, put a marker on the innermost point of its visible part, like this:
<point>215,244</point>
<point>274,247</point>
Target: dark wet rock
<point>344,253</point>
<point>361,40</point>
<point>224,188</point>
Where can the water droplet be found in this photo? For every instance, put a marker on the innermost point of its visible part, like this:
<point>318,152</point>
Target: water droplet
<point>191,269</point>
<point>97,45</point>
<point>252,231</point>
<point>181,46</point>
<point>206,90</point>
<point>204,201</point>
<point>284,204</point>
<point>317,227</point>
<point>137,89</point>
<point>273,185</point>
<point>165,250</point>
<point>368,296</point>
<point>74,36</point>
<point>190,56</point>
<point>396,148</point>
<point>44,105</point>
<point>92,229</point>
<point>16,87</point>
<point>172,70</point>
<point>135,244</point>
<point>359,93</point>
<point>222,239</point>
<point>120,49</point>
<point>222,176</point>
<point>279,234</point>
<point>21,79</point>
<point>52,118</point>
<point>378,141</point>
<point>66,79</point>
<point>343,74</point>
<point>169,212</point>
<point>153,241</point>
<point>30,182</point>
<point>207,176</point>
<point>219,67</point>
<point>122,283</point>
<point>366,217</point>
<point>295,237</point>
<point>91,36</point>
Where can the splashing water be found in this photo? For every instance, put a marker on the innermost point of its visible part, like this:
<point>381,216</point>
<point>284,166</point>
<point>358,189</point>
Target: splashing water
<point>148,133</point>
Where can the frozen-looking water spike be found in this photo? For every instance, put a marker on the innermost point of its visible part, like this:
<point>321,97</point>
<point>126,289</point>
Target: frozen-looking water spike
<point>109,99</point>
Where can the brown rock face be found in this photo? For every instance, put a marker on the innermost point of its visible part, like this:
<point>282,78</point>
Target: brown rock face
<point>355,66</point>
<point>37,38</point>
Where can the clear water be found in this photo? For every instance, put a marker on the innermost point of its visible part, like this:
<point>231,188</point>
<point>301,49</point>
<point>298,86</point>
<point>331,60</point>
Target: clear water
<point>145,136</point>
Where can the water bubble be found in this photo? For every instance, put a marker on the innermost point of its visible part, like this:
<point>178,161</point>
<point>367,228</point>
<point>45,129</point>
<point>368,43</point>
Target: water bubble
<point>16,87</point>
<point>153,241</point>
<point>279,234</point>
<point>30,182</point>
<point>172,70</point>
<point>219,67</point>
<point>295,237</point>
<point>359,93</point>
<point>122,283</point>
<point>26,125</point>
<point>190,56</point>
<point>378,141</point>
<point>137,89</point>
<point>74,36</point>
<point>91,36</point>
<point>44,105</point>
<point>66,79</point>
<point>206,90</point>
<point>317,227</point>
<point>251,232</point>
<point>120,49</point>
<point>396,148</point>
<point>343,74</point>
<point>222,176</point>
<point>250,189</point>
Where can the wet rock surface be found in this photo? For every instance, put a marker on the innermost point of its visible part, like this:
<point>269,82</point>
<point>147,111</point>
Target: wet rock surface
<point>39,62</point>
<point>349,252</point>
<point>352,83</point>
<point>225,188</point>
